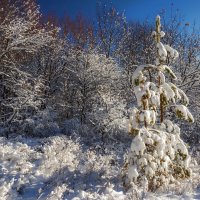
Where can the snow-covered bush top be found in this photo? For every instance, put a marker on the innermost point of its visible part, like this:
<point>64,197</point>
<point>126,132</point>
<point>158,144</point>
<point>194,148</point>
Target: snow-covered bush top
<point>158,156</point>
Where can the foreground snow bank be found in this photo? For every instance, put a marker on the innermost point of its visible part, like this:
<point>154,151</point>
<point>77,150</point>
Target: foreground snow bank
<point>62,168</point>
<point>55,168</point>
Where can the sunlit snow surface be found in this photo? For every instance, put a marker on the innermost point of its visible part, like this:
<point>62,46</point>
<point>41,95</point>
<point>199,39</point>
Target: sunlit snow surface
<point>62,167</point>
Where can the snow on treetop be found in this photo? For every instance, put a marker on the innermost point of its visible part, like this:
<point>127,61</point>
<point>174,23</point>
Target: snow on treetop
<point>158,17</point>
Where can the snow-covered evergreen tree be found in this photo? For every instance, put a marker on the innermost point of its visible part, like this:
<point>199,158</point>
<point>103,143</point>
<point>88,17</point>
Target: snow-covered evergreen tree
<point>158,156</point>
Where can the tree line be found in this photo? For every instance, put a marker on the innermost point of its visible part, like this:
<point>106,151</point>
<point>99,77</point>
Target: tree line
<point>57,73</point>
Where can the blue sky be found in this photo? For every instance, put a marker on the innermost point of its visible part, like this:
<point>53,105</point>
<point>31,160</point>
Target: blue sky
<point>134,9</point>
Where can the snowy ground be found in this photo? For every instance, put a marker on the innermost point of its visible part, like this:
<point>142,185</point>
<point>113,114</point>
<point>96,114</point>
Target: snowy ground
<point>60,167</point>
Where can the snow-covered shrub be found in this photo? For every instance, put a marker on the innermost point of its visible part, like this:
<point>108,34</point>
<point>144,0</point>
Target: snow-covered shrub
<point>57,193</point>
<point>158,156</point>
<point>28,163</point>
<point>70,126</point>
<point>58,153</point>
<point>15,168</point>
<point>41,125</point>
<point>112,117</point>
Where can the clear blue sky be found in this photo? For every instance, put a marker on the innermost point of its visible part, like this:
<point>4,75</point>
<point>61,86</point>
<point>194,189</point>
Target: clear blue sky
<point>134,9</point>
